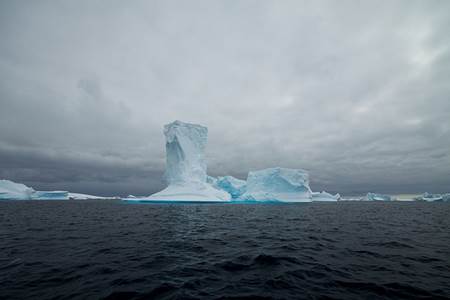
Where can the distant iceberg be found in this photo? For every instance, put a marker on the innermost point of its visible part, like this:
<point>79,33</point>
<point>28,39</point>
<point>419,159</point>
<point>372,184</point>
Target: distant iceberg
<point>378,197</point>
<point>432,197</point>
<point>10,190</point>
<point>78,196</point>
<point>353,198</point>
<point>14,191</point>
<point>324,196</point>
<point>50,195</point>
<point>278,184</point>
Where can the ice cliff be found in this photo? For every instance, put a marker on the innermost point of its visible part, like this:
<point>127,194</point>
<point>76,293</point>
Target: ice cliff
<point>185,148</point>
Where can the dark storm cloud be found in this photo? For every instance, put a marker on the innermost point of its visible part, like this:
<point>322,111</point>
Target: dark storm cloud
<point>356,93</point>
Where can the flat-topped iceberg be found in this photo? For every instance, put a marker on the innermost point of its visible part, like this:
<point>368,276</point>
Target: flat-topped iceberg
<point>324,196</point>
<point>278,184</point>
<point>378,197</point>
<point>78,196</point>
<point>50,195</point>
<point>186,166</point>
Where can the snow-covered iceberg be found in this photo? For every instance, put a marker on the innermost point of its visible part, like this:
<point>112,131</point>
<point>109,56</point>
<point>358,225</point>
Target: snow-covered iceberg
<point>278,184</point>
<point>186,166</point>
<point>233,186</point>
<point>324,196</point>
<point>14,191</point>
<point>378,197</point>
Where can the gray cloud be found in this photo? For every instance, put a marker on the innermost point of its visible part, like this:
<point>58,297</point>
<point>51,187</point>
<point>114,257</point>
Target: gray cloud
<point>356,93</point>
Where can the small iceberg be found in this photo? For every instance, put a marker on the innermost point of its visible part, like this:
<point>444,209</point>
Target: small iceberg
<point>324,196</point>
<point>431,197</point>
<point>10,190</point>
<point>378,197</point>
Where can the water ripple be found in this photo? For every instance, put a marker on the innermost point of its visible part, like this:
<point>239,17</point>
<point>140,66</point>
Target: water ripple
<point>108,250</point>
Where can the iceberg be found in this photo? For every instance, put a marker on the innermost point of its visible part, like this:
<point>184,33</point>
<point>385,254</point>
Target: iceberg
<point>186,167</point>
<point>50,195</point>
<point>78,196</point>
<point>378,197</point>
<point>278,184</point>
<point>10,190</point>
<point>405,197</point>
<point>431,197</point>
<point>233,186</point>
<point>352,198</point>
<point>324,196</point>
<point>14,191</point>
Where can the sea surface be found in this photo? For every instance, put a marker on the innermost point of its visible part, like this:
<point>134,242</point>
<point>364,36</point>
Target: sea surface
<point>113,250</point>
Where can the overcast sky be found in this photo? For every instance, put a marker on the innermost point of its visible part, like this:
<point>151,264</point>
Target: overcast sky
<point>355,92</point>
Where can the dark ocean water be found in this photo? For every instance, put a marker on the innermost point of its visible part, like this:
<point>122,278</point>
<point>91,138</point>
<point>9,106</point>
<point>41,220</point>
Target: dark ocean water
<point>112,250</point>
